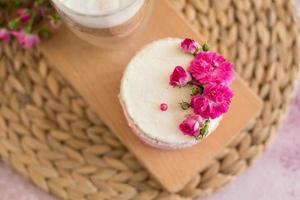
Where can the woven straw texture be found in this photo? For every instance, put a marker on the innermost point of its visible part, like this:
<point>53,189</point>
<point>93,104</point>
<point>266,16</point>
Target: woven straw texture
<point>50,136</point>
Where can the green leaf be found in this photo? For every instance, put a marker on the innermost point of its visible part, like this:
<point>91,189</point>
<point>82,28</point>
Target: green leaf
<point>184,105</point>
<point>197,90</point>
<point>14,24</point>
<point>205,47</point>
<point>204,130</point>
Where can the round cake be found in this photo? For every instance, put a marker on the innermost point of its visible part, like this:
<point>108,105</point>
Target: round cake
<point>152,105</point>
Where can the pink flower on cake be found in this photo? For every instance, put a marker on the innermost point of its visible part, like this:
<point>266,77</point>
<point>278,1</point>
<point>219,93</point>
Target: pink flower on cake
<point>211,67</point>
<point>191,125</point>
<point>189,45</point>
<point>26,40</point>
<point>214,101</point>
<point>179,77</point>
<point>5,35</point>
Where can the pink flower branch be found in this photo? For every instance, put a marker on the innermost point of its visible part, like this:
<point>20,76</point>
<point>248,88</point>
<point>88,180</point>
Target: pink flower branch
<point>27,21</point>
<point>209,75</point>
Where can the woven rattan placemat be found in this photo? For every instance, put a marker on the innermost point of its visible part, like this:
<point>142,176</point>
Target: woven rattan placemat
<point>50,136</point>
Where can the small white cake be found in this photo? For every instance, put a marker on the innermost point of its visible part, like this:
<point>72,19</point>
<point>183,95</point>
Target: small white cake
<point>145,85</point>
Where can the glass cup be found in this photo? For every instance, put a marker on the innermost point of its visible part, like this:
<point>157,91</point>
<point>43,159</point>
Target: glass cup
<point>112,23</point>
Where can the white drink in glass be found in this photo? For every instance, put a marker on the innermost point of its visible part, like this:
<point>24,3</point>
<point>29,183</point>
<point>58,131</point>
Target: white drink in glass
<point>102,22</point>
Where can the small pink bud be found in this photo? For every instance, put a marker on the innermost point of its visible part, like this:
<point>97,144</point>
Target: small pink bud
<point>163,107</point>
<point>191,125</point>
<point>189,45</point>
<point>179,77</point>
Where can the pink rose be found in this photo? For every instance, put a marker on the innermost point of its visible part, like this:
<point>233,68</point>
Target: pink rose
<point>189,45</point>
<point>179,77</point>
<point>214,101</point>
<point>191,125</point>
<point>23,14</point>
<point>5,35</point>
<point>26,40</point>
<point>211,67</point>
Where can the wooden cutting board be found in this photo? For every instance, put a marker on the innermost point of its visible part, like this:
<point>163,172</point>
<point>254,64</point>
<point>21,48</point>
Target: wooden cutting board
<point>96,75</point>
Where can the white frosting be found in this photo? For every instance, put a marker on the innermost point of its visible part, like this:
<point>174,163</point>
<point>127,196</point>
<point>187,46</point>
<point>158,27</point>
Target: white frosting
<point>97,13</point>
<point>145,85</point>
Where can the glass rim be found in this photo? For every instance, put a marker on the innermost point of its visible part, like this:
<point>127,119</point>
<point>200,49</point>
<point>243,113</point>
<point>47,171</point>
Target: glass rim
<point>57,2</point>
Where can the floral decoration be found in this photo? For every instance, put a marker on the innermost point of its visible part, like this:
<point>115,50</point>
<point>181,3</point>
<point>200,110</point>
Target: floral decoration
<point>27,21</point>
<point>213,102</point>
<point>210,67</point>
<point>208,76</point>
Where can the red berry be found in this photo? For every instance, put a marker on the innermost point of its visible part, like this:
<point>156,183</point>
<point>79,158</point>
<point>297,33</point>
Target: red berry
<point>163,107</point>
